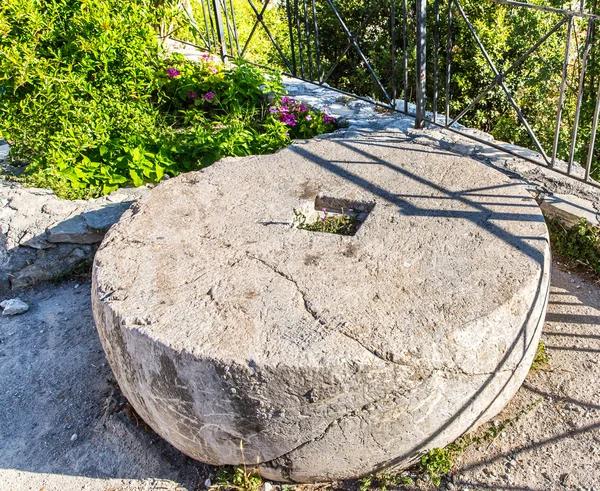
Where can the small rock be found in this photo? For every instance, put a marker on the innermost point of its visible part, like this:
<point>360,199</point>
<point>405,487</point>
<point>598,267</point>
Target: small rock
<point>267,486</point>
<point>76,286</point>
<point>74,437</point>
<point>14,306</point>
<point>207,483</point>
<point>450,486</point>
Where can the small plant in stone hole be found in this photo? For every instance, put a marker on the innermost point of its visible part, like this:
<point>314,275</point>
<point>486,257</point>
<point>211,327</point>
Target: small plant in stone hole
<point>344,223</point>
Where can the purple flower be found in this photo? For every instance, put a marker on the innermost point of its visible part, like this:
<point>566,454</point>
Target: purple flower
<point>324,217</point>
<point>328,119</point>
<point>173,72</point>
<point>301,108</point>
<point>286,100</point>
<point>288,119</point>
<point>308,117</point>
<point>209,96</point>
<point>273,110</point>
<point>192,95</point>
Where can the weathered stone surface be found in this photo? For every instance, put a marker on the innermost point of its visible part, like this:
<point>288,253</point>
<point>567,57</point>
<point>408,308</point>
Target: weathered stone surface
<point>74,230</point>
<point>34,220</point>
<point>327,356</point>
<point>103,218</point>
<point>50,264</point>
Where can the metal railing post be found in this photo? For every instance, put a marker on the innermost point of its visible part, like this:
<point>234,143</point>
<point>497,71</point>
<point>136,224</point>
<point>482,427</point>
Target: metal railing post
<point>421,45</point>
<point>220,30</point>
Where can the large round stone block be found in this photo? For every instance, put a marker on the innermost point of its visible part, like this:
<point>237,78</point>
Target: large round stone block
<point>326,356</point>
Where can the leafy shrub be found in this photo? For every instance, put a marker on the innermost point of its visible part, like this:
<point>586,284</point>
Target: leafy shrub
<point>91,102</point>
<point>581,242</point>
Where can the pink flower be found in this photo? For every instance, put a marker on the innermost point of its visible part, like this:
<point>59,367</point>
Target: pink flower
<point>308,117</point>
<point>213,69</point>
<point>288,119</point>
<point>173,72</point>
<point>286,100</point>
<point>205,56</point>
<point>209,96</point>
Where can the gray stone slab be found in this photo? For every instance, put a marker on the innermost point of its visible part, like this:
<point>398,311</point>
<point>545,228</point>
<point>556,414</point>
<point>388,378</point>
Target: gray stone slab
<point>73,230</point>
<point>102,219</point>
<point>570,209</point>
<point>327,356</point>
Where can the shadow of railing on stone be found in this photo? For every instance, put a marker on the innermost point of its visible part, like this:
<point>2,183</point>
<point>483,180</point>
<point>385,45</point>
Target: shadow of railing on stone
<point>480,216</point>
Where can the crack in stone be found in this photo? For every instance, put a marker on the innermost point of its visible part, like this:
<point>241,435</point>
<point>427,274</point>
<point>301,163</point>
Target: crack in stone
<point>286,461</point>
<point>307,305</point>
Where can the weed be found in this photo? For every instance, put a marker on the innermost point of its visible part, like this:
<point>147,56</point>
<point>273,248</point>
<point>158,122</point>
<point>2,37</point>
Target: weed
<point>382,481</point>
<point>239,478</point>
<point>580,243</point>
<point>439,461</point>
<point>344,223</point>
<point>541,359</point>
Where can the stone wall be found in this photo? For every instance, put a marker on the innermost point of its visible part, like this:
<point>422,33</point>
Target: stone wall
<point>43,237</point>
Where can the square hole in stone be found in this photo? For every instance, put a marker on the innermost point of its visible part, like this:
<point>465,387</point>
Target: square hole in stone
<point>332,215</point>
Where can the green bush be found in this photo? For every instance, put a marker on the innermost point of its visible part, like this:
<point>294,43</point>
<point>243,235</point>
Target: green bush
<point>91,102</point>
<point>580,243</point>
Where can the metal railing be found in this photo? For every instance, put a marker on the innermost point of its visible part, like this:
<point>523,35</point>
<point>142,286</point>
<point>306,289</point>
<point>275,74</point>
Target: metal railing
<point>419,66</point>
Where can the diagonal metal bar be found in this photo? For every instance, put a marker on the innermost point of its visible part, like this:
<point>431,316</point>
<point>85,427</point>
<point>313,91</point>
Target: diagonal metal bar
<point>308,46</point>
<point>500,81</point>
<point>253,30</point>
<point>574,13</point>
<point>208,24</point>
<point>235,32</point>
<point>194,24</point>
<point>359,51</point>
<point>513,67</point>
<point>584,60</point>
<point>357,34</point>
<point>561,97</point>
<point>590,156</point>
<point>260,19</point>
<point>228,24</point>
<point>291,35</point>
<point>317,43</point>
<point>299,37</point>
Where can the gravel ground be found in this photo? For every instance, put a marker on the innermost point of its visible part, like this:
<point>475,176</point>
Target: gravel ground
<point>64,425</point>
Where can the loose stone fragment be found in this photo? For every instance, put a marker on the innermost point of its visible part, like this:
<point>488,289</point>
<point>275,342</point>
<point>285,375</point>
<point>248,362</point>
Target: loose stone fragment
<point>14,306</point>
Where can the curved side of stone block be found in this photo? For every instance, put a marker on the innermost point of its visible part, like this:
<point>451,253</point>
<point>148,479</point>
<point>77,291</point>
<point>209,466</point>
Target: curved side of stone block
<point>326,357</point>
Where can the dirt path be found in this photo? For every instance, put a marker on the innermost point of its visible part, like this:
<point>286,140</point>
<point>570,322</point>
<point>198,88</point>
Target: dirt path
<point>55,383</point>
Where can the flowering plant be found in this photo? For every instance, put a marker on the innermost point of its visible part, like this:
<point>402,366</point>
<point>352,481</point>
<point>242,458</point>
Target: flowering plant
<point>301,122</point>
